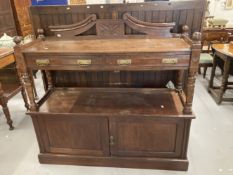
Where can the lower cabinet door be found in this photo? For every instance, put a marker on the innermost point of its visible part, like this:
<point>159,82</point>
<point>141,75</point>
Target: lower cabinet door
<point>146,137</point>
<point>86,136</point>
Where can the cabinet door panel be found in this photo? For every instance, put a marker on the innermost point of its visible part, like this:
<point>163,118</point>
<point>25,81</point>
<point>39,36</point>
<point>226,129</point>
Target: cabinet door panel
<point>146,137</point>
<point>75,135</point>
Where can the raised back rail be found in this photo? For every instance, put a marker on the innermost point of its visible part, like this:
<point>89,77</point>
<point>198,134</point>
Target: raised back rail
<point>189,12</point>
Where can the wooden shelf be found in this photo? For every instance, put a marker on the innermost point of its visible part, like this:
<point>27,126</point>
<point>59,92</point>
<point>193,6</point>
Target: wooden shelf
<point>114,101</point>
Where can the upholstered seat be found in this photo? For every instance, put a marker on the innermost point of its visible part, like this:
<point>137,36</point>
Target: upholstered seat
<point>206,58</point>
<point>209,38</point>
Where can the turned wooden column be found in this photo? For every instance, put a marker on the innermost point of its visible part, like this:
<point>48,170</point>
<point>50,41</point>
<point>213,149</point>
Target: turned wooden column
<point>180,79</point>
<point>49,79</point>
<point>28,91</point>
<point>192,72</point>
<point>181,73</point>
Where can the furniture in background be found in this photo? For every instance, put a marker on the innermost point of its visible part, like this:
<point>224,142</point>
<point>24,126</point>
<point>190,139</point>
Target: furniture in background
<point>7,23</point>
<point>22,17</point>
<point>9,82</point>
<point>219,23</point>
<point>223,56</point>
<point>210,37</point>
<point>107,103</point>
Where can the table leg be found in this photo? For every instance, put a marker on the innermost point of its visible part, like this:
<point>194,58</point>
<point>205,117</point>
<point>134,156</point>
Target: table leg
<point>3,102</point>
<point>211,82</point>
<point>224,80</point>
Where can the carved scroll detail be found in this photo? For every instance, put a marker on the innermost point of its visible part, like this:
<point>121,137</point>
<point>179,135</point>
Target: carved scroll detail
<point>76,28</point>
<point>157,29</point>
<point>109,27</point>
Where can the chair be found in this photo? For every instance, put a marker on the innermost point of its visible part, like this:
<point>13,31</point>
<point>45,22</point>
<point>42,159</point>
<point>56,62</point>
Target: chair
<point>9,82</point>
<point>210,37</point>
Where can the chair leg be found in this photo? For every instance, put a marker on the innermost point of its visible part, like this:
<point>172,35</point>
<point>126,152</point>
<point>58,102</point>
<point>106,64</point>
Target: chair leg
<point>8,116</point>
<point>3,102</point>
<point>199,70</point>
<point>205,70</point>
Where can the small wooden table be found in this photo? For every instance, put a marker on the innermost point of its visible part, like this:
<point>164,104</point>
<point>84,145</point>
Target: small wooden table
<point>11,85</point>
<point>225,53</point>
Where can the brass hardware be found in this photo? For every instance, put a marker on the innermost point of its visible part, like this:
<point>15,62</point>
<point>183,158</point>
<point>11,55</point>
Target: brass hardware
<point>124,62</point>
<point>84,62</point>
<point>111,140</point>
<point>169,60</point>
<point>42,62</point>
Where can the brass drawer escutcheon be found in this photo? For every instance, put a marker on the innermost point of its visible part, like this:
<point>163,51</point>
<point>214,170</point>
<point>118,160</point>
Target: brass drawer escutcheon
<point>42,62</point>
<point>169,60</point>
<point>84,62</point>
<point>124,62</point>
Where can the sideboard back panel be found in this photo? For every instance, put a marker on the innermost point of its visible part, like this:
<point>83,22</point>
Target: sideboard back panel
<point>181,12</point>
<point>188,12</point>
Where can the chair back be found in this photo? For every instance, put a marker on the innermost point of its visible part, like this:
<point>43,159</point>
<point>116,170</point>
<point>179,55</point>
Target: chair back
<point>212,37</point>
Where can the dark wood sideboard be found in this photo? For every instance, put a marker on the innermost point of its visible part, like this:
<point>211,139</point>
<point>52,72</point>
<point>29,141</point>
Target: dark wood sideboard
<point>106,102</point>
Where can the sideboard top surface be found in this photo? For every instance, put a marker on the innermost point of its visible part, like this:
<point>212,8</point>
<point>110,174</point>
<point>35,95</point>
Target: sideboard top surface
<point>113,101</point>
<point>146,45</point>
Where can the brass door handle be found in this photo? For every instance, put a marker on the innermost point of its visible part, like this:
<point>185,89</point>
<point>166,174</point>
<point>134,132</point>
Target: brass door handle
<point>124,62</point>
<point>169,60</point>
<point>42,62</point>
<point>84,62</point>
<point>111,140</point>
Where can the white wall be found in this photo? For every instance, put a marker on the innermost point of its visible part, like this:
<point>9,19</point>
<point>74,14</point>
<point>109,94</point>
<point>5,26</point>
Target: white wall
<point>217,9</point>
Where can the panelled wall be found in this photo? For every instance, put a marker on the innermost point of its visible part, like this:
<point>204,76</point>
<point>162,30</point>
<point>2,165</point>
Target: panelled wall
<point>22,19</point>
<point>7,24</point>
<point>181,12</point>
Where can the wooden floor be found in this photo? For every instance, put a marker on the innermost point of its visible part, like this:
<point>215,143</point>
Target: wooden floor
<point>210,148</point>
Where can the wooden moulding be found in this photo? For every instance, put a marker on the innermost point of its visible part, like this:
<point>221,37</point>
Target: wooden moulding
<point>74,29</point>
<point>123,162</point>
<point>156,29</point>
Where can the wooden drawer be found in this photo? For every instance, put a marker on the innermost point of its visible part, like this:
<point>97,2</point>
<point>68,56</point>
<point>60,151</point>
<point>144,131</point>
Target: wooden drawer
<point>116,62</point>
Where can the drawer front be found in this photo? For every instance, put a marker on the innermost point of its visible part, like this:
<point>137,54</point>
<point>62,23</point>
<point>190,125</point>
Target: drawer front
<point>109,62</point>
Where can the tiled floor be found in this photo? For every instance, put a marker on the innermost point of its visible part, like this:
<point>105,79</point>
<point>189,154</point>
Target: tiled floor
<point>210,148</point>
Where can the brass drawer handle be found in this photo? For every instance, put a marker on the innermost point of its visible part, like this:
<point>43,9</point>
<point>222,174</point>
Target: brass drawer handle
<point>42,62</point>
<point>84,62</point>
<point>124,62</point>
<point>169,60</point>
